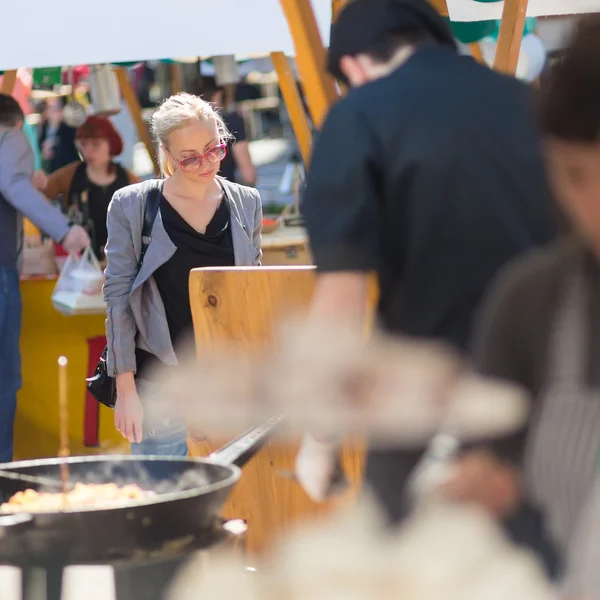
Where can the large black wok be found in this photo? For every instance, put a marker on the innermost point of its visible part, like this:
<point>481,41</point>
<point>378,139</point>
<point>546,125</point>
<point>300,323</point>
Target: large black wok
<point>189,495</point>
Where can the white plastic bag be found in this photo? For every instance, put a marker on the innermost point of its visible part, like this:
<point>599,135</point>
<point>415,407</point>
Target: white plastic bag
<point>79,287</point>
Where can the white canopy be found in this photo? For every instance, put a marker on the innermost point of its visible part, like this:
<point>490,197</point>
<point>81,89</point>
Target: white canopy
<point>471,10</point>
<point>38,33</point>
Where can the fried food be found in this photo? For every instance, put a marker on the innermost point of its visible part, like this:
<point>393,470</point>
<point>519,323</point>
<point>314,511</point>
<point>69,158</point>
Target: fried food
<point>83,495</point>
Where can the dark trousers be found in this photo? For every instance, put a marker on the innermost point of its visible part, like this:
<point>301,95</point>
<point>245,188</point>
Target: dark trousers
<point>10,357</point>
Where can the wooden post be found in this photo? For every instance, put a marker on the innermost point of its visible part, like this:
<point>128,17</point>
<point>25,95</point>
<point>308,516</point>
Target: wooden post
<point>293,103</point>
<point>135,110</point>
<point>511,34</point>
<point>176,86</point>
<point>8,82</point>
<point>440,6</point>
<point>318,86</point>
<point>336,8</point>
<point>477,53</point>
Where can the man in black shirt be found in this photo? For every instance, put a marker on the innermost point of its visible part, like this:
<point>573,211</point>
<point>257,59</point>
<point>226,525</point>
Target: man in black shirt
<point>428,172</point>
<point>238,160</point>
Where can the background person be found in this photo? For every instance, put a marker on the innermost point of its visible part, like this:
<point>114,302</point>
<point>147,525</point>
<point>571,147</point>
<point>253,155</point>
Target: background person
<point>237,164</point>
<point>204,221</point>
<point>56,139</point>
<point>18,198</point>
<point>88,186</point>
<point>541,323</point>
<point>434,201</point>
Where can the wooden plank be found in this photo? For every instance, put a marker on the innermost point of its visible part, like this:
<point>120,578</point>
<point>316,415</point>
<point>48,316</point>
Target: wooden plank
<point>293,103</point>
<point>8,82</point>
<point>242,305</point>
<point>512,26</point>
<point>319,88</point>
<point>135,110</point>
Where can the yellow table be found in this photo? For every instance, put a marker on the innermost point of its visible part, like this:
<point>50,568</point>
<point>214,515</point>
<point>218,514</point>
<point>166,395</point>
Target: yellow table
<point>45,335</point>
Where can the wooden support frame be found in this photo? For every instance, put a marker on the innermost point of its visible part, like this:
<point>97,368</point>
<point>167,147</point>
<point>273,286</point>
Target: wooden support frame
<point>511,34</point>
<point>318,86</point>
<point>135,110</point>
<point>176,85</point>
<point>293,103</point>
<point>8,82</point>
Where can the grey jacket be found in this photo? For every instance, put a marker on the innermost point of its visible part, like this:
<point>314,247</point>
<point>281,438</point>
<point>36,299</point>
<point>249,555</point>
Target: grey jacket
<point>19,197</point>
<point>135,311</point>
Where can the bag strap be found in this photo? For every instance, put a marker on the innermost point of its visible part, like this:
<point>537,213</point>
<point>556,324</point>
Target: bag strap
<point>150,212</point>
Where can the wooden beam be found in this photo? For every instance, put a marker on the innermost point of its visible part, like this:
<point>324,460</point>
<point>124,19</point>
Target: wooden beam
<point>293,103</point>
<point>318,86</point>
<point>336,8</point>
<point>135,110</point>
<point>512,26</point>
<point>176,86</point>
<point>477,53</point>
<point>8,82</point>
<point>440,6</point>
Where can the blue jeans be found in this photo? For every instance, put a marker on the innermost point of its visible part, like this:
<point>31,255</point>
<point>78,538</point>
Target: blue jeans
<point>10,357</point>
<point>162,436</point>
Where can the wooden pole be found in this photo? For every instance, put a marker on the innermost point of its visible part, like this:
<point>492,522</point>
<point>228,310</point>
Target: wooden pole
<point>293,103</point>
<point>477,53</point>
<point>512,26</point>
<point>318,86</point>
<point>8,82</point>
<point>440,6</point>
<point>135,110</point>
<point>176,86</point>
<point>336,8</point>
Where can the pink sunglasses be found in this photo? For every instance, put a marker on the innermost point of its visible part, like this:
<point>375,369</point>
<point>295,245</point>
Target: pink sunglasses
<point>191,164</point>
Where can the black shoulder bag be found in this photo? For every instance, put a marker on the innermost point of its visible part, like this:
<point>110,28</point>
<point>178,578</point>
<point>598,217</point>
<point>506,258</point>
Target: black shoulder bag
<point>101,385</point>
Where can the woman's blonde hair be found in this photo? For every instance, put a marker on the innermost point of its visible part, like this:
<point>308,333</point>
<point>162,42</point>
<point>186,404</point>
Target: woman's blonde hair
<point>178,111</point>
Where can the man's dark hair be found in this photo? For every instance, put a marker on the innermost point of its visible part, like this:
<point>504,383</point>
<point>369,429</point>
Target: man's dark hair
<point>384,49</point>
<point>569,101</point>
<point>11,113</point>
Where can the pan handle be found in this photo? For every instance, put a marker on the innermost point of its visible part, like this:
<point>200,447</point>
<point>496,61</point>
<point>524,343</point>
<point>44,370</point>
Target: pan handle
<point>243,448</point>
<point>15,523</point>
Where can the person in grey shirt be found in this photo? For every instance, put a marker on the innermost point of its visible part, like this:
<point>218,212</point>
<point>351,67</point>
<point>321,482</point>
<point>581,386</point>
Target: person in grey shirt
<point>18,197</point>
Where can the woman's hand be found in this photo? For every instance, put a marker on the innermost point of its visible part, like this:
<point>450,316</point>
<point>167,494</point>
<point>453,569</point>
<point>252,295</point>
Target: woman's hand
<point>129,413</point>
<point>480,478</point>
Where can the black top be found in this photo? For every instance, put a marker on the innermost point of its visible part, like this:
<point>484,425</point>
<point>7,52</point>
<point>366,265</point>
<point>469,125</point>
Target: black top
<point>88,204</point>
<point>194,250</point>
<point>235,124</point>
<point>64,150</point>
<point>431,176</point>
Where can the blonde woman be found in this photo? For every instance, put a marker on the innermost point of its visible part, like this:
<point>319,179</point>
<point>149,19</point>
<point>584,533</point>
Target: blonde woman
<point>203,221</point>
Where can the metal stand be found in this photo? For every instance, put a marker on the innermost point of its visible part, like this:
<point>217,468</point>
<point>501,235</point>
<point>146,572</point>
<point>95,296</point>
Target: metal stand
<point>42,583</point>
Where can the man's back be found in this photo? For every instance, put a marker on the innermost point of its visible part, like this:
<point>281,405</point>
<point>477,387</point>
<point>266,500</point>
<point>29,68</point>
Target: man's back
<point>461,187</point>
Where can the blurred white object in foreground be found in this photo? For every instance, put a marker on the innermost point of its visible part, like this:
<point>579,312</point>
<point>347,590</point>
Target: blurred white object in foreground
<point>444,552</point>
<point>329,380</point>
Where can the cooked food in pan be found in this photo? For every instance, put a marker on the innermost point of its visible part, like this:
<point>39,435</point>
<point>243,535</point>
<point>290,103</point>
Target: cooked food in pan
<point>83,495</point>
